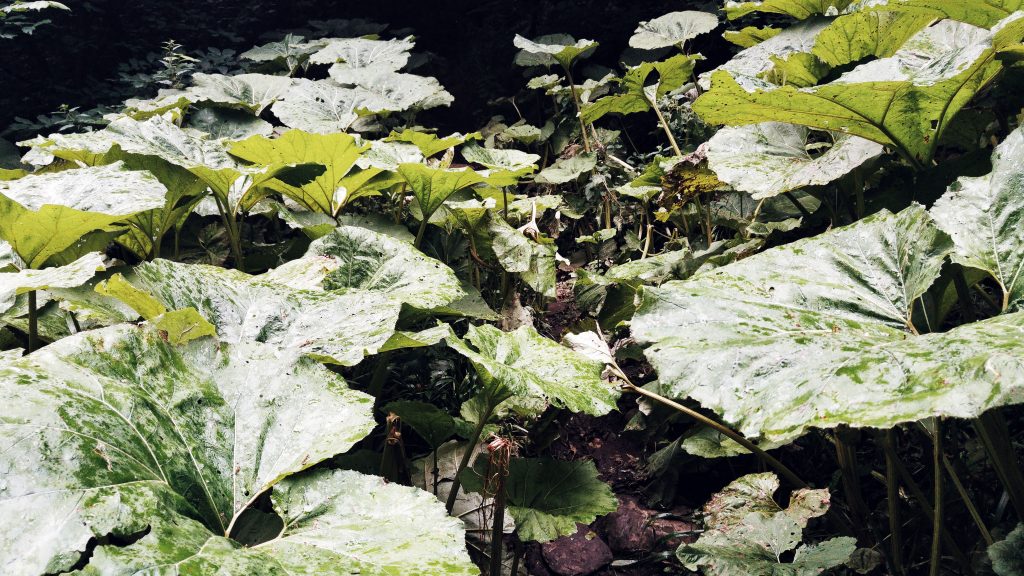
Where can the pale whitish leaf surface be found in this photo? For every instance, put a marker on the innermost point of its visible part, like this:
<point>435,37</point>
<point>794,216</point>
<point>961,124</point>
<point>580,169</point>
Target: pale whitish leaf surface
<point>527,364</point>
<point>253,92</point>
<point>567,169</point>
<point>814,334</point>
<point>291,51</point>
<point>324,107</point>
<point>547,497</point>
<point>799,9</point>
<point>984,216</point>
<point>403,91</point>
<point>672,29</point>
<point>533,261</point>
<point>389,155</point>
<point>218,123</point>
<point>111,430</point>
<point>499,159</point>
<point>1007,555</point>
<point>156,136</point>
<point>361,259</point>
<point>361,53</point>
<point>771,158</point>
<point>74,274</point>
<point>344,522</point>
<point>747,532</point>
<point>905,101</point>
<point>552,48</point>
<point>331,327</point>
<point>756,60</point>
<point>43,215</point>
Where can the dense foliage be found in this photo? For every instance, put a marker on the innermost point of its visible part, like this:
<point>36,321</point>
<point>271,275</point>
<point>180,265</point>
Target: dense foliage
<point>259,320</point>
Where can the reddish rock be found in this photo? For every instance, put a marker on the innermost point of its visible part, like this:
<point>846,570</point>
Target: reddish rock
<point>629,529</point>
<point>582,553</point>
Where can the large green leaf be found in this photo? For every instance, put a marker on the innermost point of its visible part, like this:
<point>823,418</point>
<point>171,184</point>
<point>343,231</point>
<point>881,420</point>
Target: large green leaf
<point>567,169</point>
<point>746,532</point>
<point>227,123</point>
<point>547,497</point>
<point>338,328</point>
<point>771,158</point>
<point>636,95</point>
<point>432,186</point>
<point>799,9</point>
<point>853,37</point>
<point>761,58</point>
<point>340,183</point>
<point>235,187</point>
<point>523,363</point>
<point>984,215</point>
<point>353,258</point>
<point>43,215</point>
<point>977,12</point>
<point>816,334</point>
<point>109,431</point>
<point>672,29</point>
<point>905,101</point>
<point>427,143</point>
<point>74,274</point>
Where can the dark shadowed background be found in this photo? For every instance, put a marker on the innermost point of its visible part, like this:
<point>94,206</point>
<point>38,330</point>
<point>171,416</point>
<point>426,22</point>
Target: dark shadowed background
<point>86,57</point>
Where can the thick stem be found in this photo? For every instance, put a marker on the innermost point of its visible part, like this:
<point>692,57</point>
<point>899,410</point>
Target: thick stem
<point>768,459</point>
<point>926,508</point>
<point>846,441</point>
<point>498,526</point>
<point>892,492</point>
<point>422,231</point>
<point>994,436</point>
<point>664,126</point>
<point>380,376</point>
<point>33,322</point>
<point>936,554</point>
<point>473,440</point>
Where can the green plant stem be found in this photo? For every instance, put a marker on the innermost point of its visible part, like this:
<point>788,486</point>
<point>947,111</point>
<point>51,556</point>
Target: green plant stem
<point>892,495</point>
<point>498,526</point>
<point>421,232</point>
<point>33,322</point>
<point>968,502</point>
<point>464,461</point>
<point>926,508</point>
<point>579,111</point>
<point>994,436</point>
<point>768,459</point>
<point>936,554</point>
<point>963,294</point>
<point>845,442</point>
<point>664,126</point>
